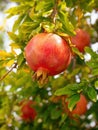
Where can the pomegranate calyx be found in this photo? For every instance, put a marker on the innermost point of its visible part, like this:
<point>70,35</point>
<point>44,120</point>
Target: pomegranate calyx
<point>41,75</point>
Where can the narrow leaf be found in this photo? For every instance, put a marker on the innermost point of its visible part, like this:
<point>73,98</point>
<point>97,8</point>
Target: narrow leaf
<point>92,94</point>
<point>17,23</point>
<point>72,101</point>
<point>96,84</point>
<point>76,51</point>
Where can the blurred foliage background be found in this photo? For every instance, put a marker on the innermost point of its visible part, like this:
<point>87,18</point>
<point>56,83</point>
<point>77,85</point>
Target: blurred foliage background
<point>31,18</point>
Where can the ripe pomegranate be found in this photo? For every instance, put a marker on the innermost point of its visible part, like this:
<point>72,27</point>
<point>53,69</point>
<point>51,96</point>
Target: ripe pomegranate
<point>80,108</point>
<point>81,39</point>
<point>47,54</point>
<point>28,112</point>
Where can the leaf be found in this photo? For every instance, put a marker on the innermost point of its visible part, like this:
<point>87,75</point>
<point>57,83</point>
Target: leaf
<point>62,6</point>
<point>67,25</point>
<point>63,91</point>
<point>20,59</point>
<point>18,22</point>
<point>48,26</point>
<point>91,52</point>
<point>13,36</point>
<point>44,5</point>
<point>68,90</point>
<point>35,31</point>
<point>69,3</point>
<point>76,51</point>
<point>28,27</point>
<point>63,118</point>
<point>55,113</point>
<point>4,55</point>
<point>15,46</point>
<point>95,71</point>
<point>19,0</point>
<point>73,100</point>
<point>96,84</point>
<point>47,14</point>
<point>92,94</point>
<point>21,9</point>
<point>9,63</point>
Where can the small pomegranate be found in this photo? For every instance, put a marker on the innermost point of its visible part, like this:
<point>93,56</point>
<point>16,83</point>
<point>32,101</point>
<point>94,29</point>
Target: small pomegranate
<point>47,54</point>
<point>80,108</point>
<point>81,39</point>
<point>28,112</point>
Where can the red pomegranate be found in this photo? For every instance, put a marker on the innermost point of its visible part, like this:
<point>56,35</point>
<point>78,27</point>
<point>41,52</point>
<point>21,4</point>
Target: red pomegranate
<point>27,110</point>
<point>48,52</point>
<point>81,39</point>
<point>81,106</point>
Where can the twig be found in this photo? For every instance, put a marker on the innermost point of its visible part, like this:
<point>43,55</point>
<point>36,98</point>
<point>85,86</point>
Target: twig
<point>54,13</point>
<point>11,68</point>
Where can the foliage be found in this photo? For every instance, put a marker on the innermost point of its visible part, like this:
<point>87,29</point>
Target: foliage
<point>61,17</point>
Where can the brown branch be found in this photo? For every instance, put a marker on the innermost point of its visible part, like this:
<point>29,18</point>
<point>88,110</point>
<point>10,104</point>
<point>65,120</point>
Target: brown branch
<point>54,13</point>
<point>11,68</point>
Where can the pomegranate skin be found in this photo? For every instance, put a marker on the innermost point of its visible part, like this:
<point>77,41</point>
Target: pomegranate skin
<point>81,39</point>
<point>28,113</point>
<point>81,106</point>
<point>49,52</point>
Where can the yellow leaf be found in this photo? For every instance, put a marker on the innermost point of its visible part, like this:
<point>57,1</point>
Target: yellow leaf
<point>15,46</point>
<point>11,62</point>
<point>4,54</point>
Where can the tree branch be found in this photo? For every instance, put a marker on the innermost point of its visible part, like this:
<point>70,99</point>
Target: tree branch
<point>11,68</point>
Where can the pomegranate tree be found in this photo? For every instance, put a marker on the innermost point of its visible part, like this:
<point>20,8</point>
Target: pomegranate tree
<point>81,39</point>
<point>47,54</point>
<point>27,110</point>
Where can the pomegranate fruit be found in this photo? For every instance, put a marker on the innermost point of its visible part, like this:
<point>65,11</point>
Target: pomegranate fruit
<point>47,54</point>
<point>28,112</point>
<point>81,39</point>
<point>80,108</point>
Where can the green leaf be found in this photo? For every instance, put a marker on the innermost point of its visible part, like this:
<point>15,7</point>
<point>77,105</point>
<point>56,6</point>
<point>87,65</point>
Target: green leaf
<point>47,14</point>
<point>44,5</point>
<point>63,118</point>
<point>69,2</point>
<point>92,94</point>
<point>72,101</point>
<point>20,0</point>
<point>91,52</point>
<point>95,72</point>
<point>48,26</point>
<point>55,113</point>
<point>13,36</point>
<point>63,91</point>
<point>66,24</point>
<point>96,84</point>
<point>28,27</point>
<point>68,90</point>
<point>21,9</point>
<point>20,59</point>
<point>18,22</point>
<point>76,51</point>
